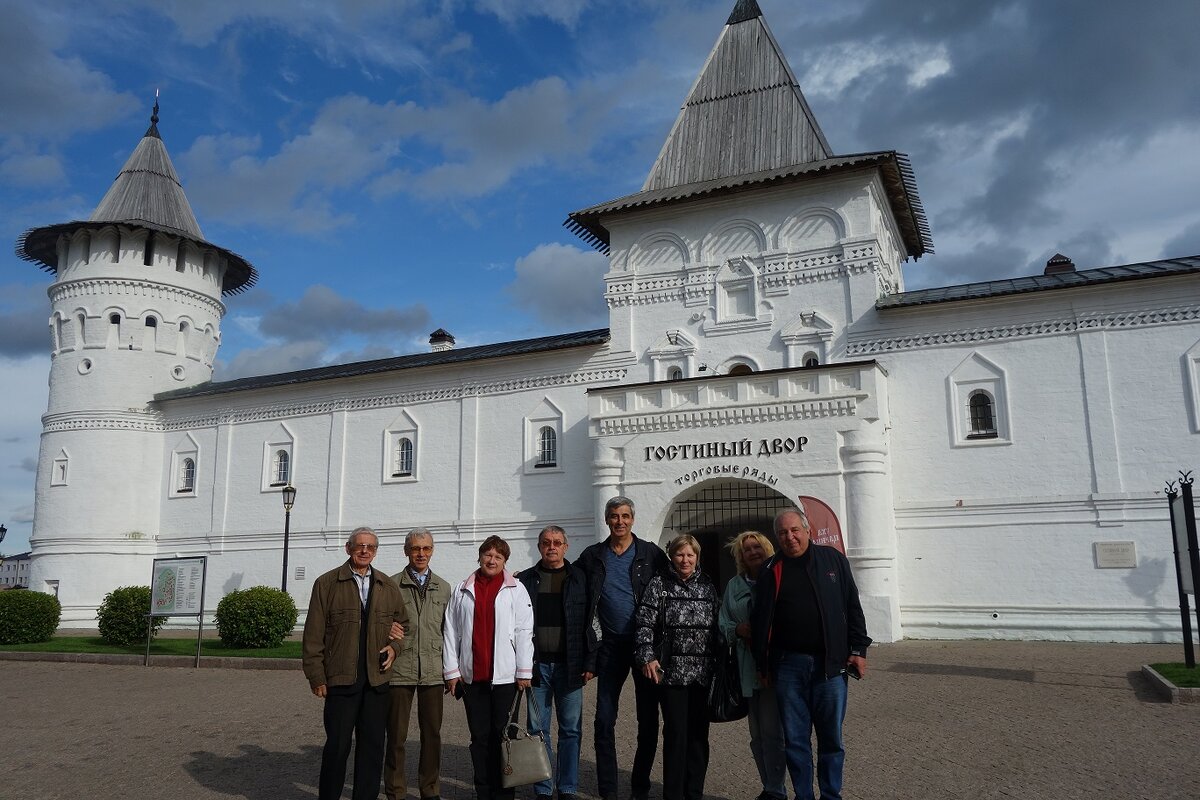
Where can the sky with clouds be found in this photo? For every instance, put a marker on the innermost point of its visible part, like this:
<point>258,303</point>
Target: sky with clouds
<point>395,166</point>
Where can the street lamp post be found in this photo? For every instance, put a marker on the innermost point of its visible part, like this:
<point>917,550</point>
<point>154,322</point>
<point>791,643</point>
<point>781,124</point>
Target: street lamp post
<point>289,499</point>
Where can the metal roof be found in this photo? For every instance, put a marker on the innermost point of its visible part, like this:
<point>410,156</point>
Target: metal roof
<point>895,170</point>
<point>1040,283</point>
<point>146,194</point>
<point>521,347</point>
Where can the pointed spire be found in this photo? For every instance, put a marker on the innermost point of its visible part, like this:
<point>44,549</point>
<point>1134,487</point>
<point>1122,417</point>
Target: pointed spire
<point>745,112</point>
<point>153,129</point>
<point>744,11</point>
<point>147,190</point>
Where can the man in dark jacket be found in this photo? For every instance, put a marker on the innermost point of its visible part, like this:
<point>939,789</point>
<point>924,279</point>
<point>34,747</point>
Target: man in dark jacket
<point>809,632</point>
<point>564,655</point>
<point>618,571</point>
<point>348,654</point>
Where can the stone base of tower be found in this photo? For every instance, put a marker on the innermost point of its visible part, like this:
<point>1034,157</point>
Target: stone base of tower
<point>883,617</point>
<point>82,580</point>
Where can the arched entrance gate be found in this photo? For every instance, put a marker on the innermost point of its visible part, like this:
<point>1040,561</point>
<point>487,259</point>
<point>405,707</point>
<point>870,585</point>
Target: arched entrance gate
<point>717,511</point>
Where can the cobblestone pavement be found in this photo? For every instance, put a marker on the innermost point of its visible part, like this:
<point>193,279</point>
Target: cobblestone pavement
<point>931,720</point>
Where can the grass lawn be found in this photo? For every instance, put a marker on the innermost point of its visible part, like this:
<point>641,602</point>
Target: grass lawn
<point>161,647</point>
<point>1179,675</point>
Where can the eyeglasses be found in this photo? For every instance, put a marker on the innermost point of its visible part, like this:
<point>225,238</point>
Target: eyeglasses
<point>368,547</point>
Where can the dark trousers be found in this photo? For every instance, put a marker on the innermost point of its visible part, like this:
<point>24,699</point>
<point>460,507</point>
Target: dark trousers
<point>358,716</point>
<point>614,662</point>
<point>429,722</point>
<point>685,741</point>
<point>488,706</point>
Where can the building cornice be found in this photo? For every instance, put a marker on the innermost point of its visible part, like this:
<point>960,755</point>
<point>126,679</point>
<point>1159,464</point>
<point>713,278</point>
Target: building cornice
<point>867,347</point>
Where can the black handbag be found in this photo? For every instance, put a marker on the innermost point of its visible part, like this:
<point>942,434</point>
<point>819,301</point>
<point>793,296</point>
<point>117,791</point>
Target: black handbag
<point>524,753</point>
<point>726,703</point>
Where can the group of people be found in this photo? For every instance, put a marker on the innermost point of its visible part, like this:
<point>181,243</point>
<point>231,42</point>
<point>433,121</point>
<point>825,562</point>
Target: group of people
<point>624,609</point>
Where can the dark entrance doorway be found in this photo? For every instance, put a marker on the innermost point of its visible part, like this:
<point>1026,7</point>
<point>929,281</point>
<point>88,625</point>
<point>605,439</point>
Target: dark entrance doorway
<point>717,511</point>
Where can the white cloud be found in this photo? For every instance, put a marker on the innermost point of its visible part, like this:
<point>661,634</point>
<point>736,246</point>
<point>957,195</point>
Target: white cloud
<point>562,285</point>
<point>32,169</point>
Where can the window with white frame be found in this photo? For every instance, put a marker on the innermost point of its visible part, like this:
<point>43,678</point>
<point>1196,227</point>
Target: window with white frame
<point>60,469</point>
<point>401,449</point>
<point>1192,361</point>
<point>281,468</point>
<point>185,455</point>
<point>547,448</point>
<point>403,464</point>
<point>544,438</point>
<point>979,403</point>
<point>187,476</point>
<point>279,459</point>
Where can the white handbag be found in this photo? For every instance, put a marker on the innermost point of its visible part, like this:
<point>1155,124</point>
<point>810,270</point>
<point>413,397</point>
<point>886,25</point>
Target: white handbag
<point>524,753</point>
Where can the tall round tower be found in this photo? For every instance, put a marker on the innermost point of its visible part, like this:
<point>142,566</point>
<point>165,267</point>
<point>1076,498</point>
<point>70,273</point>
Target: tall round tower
<point>135,310</point>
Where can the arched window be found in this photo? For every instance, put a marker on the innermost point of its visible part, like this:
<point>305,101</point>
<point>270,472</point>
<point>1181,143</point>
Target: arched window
<point>281,468</point>
<point>675,374</point>
<point>187,475</point>
<point>982,415</point>
<point>404,458</point>
<point>741,369</point>
<point>811,360</point>
<point>547,447</point>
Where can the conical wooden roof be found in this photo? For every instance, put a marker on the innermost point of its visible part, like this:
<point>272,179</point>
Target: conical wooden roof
<point>744,114</point>
<point>146,194</point>
<point>147,190</point>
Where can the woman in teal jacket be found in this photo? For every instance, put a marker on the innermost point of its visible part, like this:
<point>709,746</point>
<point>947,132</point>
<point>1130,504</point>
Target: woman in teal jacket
<point>751,550</point>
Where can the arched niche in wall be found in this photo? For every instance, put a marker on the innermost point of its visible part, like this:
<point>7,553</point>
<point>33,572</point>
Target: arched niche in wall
<point>401,449</point>
<point>977,392</point>
<point>737,237</point>
<point>812,229</point>
<point>660,251</point>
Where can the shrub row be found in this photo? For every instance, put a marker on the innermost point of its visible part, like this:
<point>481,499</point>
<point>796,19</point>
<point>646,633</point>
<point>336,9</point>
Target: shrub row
<point>27,617</point>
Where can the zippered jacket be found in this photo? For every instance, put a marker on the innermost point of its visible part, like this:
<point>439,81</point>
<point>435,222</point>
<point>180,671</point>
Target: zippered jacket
<point>420,659</point>
<point>512,653</point>
<point>581,630</point>
<point>333,627</point>
<point>648,560</point>
<point>843,622</point>
<point>677,624</point>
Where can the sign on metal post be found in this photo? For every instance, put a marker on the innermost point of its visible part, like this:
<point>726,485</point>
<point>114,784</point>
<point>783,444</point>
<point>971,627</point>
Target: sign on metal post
<point>177,590</point>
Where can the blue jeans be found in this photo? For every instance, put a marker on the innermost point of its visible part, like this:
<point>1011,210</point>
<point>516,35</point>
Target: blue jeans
<point>551,689</point>
<point>809,701</point>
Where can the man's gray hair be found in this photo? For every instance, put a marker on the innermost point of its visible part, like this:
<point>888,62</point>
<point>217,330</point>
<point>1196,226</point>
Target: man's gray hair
<point>617,502</point>
<point>797,511</point>
<point>552,529</point>
<point>417,533</point>
<point>362,529</point>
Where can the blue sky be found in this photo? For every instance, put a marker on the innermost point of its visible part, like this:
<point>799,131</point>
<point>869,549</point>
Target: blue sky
<point>395,166</point>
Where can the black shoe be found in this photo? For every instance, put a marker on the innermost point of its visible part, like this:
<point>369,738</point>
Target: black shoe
<point>545,797</point>
<point>432,797</point>
<point>562,796</point>
<point>641,796</point>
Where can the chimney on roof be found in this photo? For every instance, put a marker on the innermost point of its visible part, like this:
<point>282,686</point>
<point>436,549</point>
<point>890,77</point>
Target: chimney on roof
<point>441,340</point>
<point>1058,264</point>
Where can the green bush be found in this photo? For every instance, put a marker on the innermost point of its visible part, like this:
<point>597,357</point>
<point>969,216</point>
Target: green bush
<point>256,617</point>
<point>122,616</point>
<point>27,617</point>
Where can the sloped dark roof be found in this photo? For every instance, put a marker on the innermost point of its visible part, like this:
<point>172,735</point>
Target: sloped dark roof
<point>895,170</point>
<point>147,194</point>
<point>745,112</point>
<point>521,347</point>
<point>1040,283</point>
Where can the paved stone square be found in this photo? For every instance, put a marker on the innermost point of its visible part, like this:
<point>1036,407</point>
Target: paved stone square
<point>932,720</point>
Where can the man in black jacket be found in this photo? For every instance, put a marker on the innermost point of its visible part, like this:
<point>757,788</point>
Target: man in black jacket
<point>809,632</point>
<point>618,570</point>
<point>564,655</point>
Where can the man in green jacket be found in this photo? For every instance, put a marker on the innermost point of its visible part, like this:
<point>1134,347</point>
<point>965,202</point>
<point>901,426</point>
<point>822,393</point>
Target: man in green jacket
<point>417,672</point>
<point>349,647</point>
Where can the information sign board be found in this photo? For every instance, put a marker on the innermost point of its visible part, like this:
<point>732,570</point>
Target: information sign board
<point>1179,515</point>
<point>177,587</point>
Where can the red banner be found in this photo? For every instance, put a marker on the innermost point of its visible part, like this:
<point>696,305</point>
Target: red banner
<point>823,523</point>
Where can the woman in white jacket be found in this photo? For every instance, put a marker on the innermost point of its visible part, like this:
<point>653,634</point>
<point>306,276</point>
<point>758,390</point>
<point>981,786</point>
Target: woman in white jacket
<point>487,655</point>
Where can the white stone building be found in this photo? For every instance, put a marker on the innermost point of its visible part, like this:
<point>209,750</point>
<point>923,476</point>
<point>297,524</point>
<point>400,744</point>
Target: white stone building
<point>985,447</point>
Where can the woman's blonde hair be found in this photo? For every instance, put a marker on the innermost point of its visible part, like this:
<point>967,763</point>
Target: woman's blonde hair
<point>681,540</point>
<point>738,543</point>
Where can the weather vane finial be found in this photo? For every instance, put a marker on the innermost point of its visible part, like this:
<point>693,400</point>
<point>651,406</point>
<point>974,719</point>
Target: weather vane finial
<point>154,116</point>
